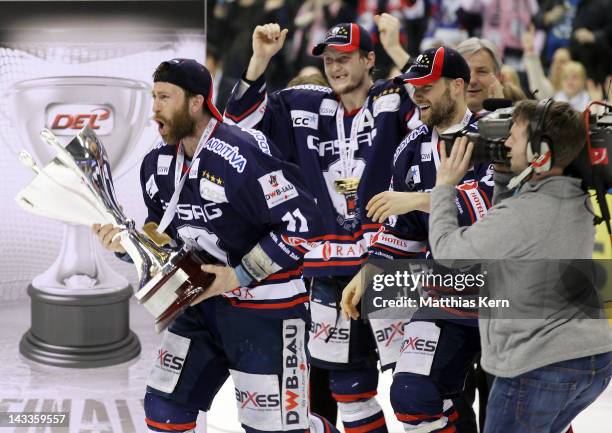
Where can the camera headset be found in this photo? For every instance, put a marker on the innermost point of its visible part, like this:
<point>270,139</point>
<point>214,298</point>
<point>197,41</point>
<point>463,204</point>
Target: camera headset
<point>539,152</point>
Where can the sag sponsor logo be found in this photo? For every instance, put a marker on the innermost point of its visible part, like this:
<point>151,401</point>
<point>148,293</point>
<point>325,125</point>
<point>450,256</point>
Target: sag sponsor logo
<point>418,344</point>
<point>390,333</point>
<point>257,401</point>
<point>189,212</point>
<point>64,119</point>
<point>170,361</point>
<point>325,331</point>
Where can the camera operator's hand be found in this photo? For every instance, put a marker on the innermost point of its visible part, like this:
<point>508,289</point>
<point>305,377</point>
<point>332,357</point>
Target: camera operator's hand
<point>452,168</point>
<point>351,295</point>
<point>388,203</point>
<point>106,235</point>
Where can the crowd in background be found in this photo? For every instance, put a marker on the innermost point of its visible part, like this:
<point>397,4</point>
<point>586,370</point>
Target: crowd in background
<point>558,48</point>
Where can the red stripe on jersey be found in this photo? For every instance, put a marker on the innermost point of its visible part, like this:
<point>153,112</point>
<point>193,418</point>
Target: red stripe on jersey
<point>261,306</point>
<point>246,113</point>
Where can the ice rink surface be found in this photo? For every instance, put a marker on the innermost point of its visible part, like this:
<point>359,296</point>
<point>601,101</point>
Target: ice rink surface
<point>109,399</point>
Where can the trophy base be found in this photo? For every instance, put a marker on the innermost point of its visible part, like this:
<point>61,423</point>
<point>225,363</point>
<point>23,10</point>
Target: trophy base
<point>80,331</point>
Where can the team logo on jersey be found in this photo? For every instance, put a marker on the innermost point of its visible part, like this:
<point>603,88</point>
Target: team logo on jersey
<point>304,119</point>
<point>163,164</point>
<point>276,188</point>
<point>64,119</point>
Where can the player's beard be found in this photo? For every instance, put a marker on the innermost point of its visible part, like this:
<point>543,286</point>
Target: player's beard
<point>442,113</point>
<point>351,87</point>
<point>180,125</point>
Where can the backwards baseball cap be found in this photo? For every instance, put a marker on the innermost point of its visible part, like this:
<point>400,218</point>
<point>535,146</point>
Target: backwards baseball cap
<point>191,76</point>
<point>345,37</point>
<point>433,64</point>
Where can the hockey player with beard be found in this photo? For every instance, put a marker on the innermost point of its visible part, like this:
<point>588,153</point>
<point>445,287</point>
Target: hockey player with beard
<point>423,385</point>
<point>215,187</point>
<point>343,140</point>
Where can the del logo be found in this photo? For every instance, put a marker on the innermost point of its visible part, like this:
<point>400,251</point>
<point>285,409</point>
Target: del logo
<point>168,360</point>
<point>65,119</point>
<point>255,400</point>
<point>273,181</point>
<point>418,344</point>
<point>390,333</point>
<point>325,331</point>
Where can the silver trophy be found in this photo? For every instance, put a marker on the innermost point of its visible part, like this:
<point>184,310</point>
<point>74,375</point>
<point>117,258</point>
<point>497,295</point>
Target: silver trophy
<point>76,186</point>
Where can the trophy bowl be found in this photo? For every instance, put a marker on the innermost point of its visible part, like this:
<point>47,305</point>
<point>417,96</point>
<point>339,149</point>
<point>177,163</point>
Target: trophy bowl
<point>114,108</point>
<point>77,186</point>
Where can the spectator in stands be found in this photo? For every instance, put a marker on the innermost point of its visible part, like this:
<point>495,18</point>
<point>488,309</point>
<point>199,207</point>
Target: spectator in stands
<point>591,37</point>
<point>485,68</point>
<point>311,22</point>
<point>413,16</point>
<point>503,23</point>
<point>555,17</point>
<point>573,86</point>
<point>539,84</point>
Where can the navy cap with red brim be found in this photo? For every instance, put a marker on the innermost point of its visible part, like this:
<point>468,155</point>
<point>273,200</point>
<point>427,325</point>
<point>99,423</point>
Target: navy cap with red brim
<point>345,37</point>
<point>433,64</point>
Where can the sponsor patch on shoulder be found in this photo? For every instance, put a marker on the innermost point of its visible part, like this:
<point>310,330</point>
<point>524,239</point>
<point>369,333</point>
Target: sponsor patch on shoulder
<point>304,119</point>
<point>328,107</point>
<point>163,164</point>
<point>276,188</point>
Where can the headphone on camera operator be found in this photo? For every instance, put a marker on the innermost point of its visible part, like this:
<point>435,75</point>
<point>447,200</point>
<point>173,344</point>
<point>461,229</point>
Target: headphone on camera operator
<point>594,171</point>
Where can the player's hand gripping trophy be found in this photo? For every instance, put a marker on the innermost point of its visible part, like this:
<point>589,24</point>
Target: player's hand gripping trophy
<point>76,186</point>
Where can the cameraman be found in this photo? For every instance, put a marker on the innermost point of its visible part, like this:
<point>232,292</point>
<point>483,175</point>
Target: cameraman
<point>548,370</point>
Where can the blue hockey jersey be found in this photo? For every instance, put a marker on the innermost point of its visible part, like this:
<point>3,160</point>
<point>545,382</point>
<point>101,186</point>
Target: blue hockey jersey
<point>304,121</point>
<point>239,204</point>
<point>415,166</point>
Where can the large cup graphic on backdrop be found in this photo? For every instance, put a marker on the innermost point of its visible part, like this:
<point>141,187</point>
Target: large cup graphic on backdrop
<point>77,186</point>
<point>80,310</point>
